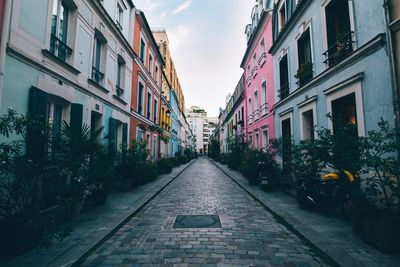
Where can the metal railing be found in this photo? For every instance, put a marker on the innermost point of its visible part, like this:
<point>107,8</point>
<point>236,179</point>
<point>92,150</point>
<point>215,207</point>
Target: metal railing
<point>304,74</point>
<point>341,49</point>
<point>284,91</point>
<point>59,48</point>
<point>254,71</point>
<point>264,109</point>
<point>97,75</point>
<point>262,58</point>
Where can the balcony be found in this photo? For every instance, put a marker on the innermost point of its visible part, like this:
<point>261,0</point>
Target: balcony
<point>340,50</point>
<point>284,91</point>
<point>262,59</point>
<point>248,81</point>
<point>304,74</point>
<point>256,115</point>
<point>97,75</point>
<point>59,48</point>
<point>264,109</point>
<point>118,25</point>
<point>250,119</point>
<point>254,71</point>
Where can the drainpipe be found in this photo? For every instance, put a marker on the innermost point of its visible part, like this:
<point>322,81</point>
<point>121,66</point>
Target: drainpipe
<point>395,85</point>
<point>5,35</point>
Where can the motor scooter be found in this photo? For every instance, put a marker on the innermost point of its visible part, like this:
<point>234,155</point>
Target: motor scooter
<point>330,191</point>
<point>266,176</point>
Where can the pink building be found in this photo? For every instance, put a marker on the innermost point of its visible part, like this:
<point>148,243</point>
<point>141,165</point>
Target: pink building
<point>259,78</point>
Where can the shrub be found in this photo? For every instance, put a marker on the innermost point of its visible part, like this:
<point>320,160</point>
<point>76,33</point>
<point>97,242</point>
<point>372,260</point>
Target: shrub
<point>164,165</point>
<point>237,150</point>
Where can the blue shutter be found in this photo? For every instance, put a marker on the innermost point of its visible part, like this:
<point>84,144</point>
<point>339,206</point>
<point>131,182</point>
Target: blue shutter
<point>125,133</point>
<point>112,136</point>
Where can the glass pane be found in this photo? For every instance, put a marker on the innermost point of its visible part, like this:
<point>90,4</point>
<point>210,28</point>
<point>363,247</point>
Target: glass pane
<point>63,24</point>
<point>54,17</point>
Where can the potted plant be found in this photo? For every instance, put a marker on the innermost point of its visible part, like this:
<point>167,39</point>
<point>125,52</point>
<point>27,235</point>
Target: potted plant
<point>304,73</point>
<point>382,189</point>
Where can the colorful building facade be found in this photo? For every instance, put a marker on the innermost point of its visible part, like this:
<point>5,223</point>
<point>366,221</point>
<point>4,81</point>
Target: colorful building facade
<point>259,78</point>
<point>336,76</point>
<point>67,62</point>
<point>146,99</point>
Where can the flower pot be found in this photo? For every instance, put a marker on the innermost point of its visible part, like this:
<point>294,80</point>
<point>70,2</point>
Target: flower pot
<point>381,230</point>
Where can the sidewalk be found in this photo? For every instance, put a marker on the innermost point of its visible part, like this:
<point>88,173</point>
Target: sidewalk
<point>331,235</point>
<point>96,225</point>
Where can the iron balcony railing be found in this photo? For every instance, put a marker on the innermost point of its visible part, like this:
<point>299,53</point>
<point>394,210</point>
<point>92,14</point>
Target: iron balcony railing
<point>97,75</point>
<point>284,91</point>
<point>118,25</point>
<point>341,49</point>
<point>254,71</point>
<point>264,109</point>
<point>59,48</point>
<point>304,74</point>
<point>262,59</point>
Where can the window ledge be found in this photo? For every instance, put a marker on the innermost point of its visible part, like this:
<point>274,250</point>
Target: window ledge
<point>98,86</point>
<point>67,66</point>
<point>120,100</point>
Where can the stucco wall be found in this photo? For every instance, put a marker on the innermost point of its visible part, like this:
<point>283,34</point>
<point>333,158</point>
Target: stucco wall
<point>265,74</point>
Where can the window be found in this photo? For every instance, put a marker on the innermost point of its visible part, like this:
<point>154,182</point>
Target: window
<point>344,111</point>
<point>255,101</point>
<point>282,15</point>
<point>120,79</point>
<point>264,107</point>
<point>59,31</point>
<point>151,64</point>
<point>305,72</point>
<point>95,123</point>
<point>257,140</point>
<point>148,105</point>
<point>154,147</point>
<point>148,140</point>
<point>286,139</point>
<point>155,110</point>
<point>142,52</point>
<point>55,117</point>
<point>120,16</point>
<point>254,60</point>
<point>284,77</point>
<point>338,30</point>
<point>248,71</point>
<point>139,134</point>
<point>308,125</point>
<point>157,74</point>
<point>262,47</point>
<point>140,98</point>
<point>250,107</point>
<point>265,138</point>
<point>97,75</point>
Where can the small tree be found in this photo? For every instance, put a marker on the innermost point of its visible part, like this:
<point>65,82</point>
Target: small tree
<point>237,149</point>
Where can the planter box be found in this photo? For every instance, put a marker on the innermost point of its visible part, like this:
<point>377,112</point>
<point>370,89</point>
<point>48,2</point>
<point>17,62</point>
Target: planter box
<point>381,230</point>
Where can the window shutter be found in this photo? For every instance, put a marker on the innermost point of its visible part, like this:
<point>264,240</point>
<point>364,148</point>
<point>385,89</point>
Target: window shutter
<point>37,110</point>
<point>125,133</point>
<point>112,136</point>
<point>275,23</point>
<point>76,117</point>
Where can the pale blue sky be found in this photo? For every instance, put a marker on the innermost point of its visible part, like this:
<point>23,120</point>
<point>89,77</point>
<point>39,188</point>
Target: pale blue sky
<point>207,44</point>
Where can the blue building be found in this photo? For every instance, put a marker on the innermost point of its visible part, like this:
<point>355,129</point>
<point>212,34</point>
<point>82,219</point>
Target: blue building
<point>70,62</point>
<point>174,140</point>
<point>330,58</point>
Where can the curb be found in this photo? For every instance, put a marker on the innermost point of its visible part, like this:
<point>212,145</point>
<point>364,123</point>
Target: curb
<point>80,259</point>
<point>281,220</point>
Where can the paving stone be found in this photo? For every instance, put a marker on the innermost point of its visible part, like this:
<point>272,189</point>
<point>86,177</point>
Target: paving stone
<point>249,234</point>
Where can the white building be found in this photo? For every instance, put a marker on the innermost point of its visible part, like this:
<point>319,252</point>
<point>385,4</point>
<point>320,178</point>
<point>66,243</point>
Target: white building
<point>197,119</point>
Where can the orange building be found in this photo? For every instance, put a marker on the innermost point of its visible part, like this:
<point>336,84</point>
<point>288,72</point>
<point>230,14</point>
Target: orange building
<point>146,86</point>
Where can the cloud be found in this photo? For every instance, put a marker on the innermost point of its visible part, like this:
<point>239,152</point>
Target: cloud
<point>183,7</point>
<point>180,35</point>
<point>163,15</point>
<point>152,5</point>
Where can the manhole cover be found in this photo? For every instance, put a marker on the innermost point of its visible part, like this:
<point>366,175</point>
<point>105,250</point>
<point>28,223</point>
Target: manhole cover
<point>197,221</point>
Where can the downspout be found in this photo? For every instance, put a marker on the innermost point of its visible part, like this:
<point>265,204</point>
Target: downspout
<point>395,85</point>
<point>5,35</point>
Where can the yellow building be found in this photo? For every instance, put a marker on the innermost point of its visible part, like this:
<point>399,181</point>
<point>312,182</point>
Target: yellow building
<point>170,82</point>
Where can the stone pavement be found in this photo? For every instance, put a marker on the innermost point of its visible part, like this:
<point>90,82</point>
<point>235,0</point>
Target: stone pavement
<point>95,225</point>
<point>250,236</point>
<point>330,234</point>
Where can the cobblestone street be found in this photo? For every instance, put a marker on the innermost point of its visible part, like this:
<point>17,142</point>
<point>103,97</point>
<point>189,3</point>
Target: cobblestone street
<point>249,236</point>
